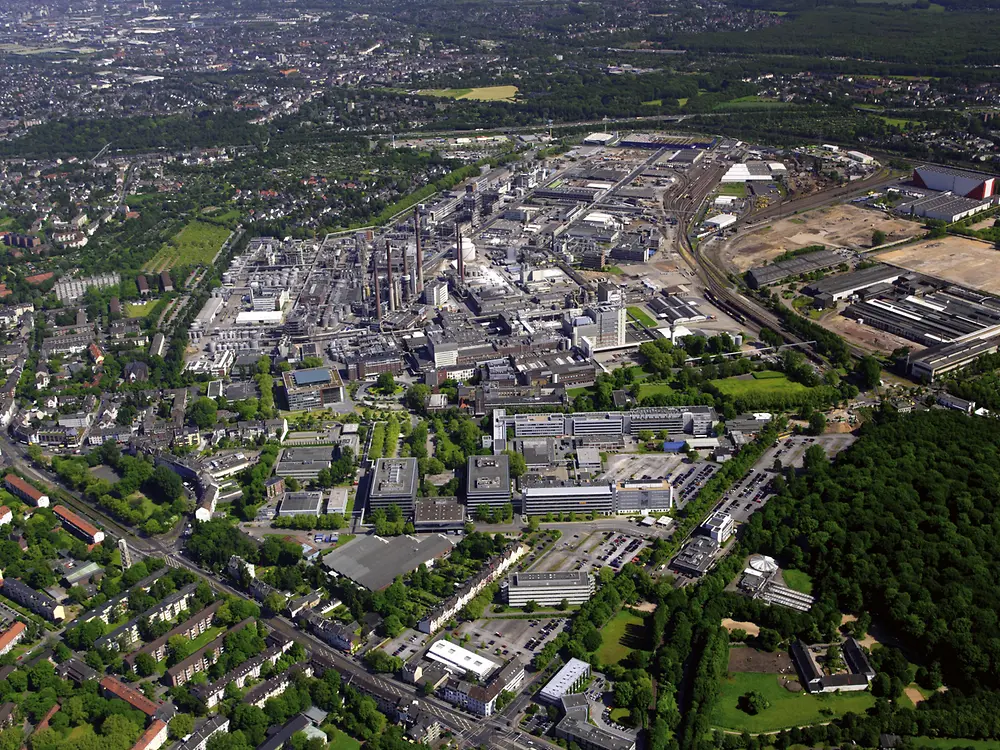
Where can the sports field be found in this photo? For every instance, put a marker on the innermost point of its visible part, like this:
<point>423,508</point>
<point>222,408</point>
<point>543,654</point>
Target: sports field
<point>482,93</point>
<point>625,633</point>
<point>769,384</point>
<point>196,244</point>
<point>788,709</point>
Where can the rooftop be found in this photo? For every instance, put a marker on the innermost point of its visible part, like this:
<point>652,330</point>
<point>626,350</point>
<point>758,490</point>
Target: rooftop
<point>374,562</point>
<point>551,580</point>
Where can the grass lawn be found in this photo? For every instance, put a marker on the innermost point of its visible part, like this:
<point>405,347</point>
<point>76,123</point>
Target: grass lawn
<point>653,103</point>
<point>340,741</point>
<point>641,317</point>
<point>620,716</point>
<point>653,389</point>
<point>768,375</point>
<point>342,540</point>
<point>625,633</point>
<point>737,189</point>
<point>482,93</point>
<point>145,506</point>
<point>798,581</point>
<point>197,243</point>
<point>581,391</point>
<point>944,742</point>
<point>740,387</point>
<point>787,709</point>
<point>205,638</point>
<point>682,101</point>
<point>139,309</point>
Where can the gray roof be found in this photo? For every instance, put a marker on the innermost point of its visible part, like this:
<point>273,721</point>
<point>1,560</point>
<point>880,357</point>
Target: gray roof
<point>550,580</point>
<point>374,562</point>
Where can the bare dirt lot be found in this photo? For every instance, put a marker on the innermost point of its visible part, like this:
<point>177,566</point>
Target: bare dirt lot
<point>865,337</point>
<point>833,226</point>
<point>752,660</point>
<point>750,628</point>
<point>960,260</point>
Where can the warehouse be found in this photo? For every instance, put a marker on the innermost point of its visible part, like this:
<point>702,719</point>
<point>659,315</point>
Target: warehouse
<point>459,661</point>
<point>945,207</point>
<point>549,589</point>
<point>840,287</point>
<point>938,360</point>
<point>374,562</point>
<point>958,181</point>
<point>676,309</point>
<point>721,221</point>
<point>762,276</point>
<point>753,171</point>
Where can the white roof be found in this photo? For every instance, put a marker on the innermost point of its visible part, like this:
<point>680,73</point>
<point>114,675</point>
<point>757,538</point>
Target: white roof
<point>260,318</point>
<point>459,660</point>
<point>565,678</point>
<point>722,220</point>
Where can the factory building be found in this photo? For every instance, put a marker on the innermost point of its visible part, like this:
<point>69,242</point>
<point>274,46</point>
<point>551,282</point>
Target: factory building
<point>958,181</point>
<point>843,286</point>
<point>549,589</point>
<point>945,207</point>
<point>773,273</point>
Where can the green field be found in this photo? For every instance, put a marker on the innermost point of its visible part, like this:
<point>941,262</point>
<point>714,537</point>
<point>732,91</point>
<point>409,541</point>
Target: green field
<point>482,94</point>
<point>737,189</point>
<point>641,317</point>
<point>787,709</point>
<point>767,375</point>
<point>196,244</point>
<point>625,633</point>
<point>654,389</point>
<point>653,103</point>
<point>620,716</point>
<point>942,743</point>
<point>139,309</point>
<point>340,741</point>
<point>741,387</point>
<point>205,638</point>
<point>798,581</point>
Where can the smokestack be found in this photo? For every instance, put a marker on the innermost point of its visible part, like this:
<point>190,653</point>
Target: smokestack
<point>392,288</point>
<point>420,252</point>
<point>405,284</point>
<point>458,249</point>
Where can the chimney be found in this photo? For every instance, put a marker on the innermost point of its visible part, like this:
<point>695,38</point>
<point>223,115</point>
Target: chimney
<point>458,250</point>
<point>378,296</point>
<point>388,262</point>
<point>406,278</point>
<point>420,252</point>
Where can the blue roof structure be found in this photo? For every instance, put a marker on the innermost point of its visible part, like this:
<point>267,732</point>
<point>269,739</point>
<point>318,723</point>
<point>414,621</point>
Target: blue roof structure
<point>312,376</point>
<point>673,446</point>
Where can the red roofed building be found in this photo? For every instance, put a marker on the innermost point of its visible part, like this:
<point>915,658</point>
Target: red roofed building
<point>83,528</point>
<point>25,491</point>
<point>112,688</point>
<point>153,738</point>
<point>142,284</point>
<point>96,354</point>
<point>12,636</point>
<point>6,516</point>
<point>44,723</point>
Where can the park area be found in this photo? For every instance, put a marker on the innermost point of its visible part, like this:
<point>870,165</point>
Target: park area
<point>832,227</point>
<point>787,707</point>
<point>626,632</point>
<point>766,382</point>
<point>961,260</point>
<point>196,244</point>
<point>480,94</point>
<point>139,309</point>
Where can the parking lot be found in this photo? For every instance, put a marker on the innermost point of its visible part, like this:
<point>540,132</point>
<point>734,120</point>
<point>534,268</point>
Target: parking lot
<point>502,639</point>
<point>630,466</point>
<point>591,551</point>
<point>688,483</point>
<point>406,645</point>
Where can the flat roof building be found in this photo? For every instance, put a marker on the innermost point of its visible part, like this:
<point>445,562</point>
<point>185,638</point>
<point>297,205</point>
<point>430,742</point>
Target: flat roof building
<point>438,514</point>
<point>460,661</point>
<point>393,482</point>
<point>303,463</point>
<point>549,589</point>
<point>644,496</point>
<point>719,527</point>
<point>573,675</point>
<point>488,481</point>
<point>696,557</point>
<point>374,562</point>
<point>301,504</point>
<point>542,499</point>
<point>313,388</point>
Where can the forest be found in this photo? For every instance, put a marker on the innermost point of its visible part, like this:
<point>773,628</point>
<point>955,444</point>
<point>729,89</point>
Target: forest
<point>904,526</point>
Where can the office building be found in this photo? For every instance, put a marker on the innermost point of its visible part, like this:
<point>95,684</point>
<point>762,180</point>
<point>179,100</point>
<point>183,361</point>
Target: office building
<point>301,504</point>
<point>576,728</point>
<point>571,678</point>
<point>643,496</point>
<point>549,589</point>
<point>719,527</point>
<point>696,557</point>
<point>393,482</point>
<point>460,661</point>
<point>438,514</point>
<point>312,389</point>
<point>564,497</point>
<point>487,482</point>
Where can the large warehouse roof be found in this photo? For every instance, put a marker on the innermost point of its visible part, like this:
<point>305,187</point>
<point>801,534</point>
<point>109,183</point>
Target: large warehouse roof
<point>459,660</point>
<point>374,562</point>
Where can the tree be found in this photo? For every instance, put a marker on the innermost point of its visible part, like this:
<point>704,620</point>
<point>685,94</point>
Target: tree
<point>164,484</point>
<point>869,371</point>
<point>203,413</point>
<point>145,665</point>
<point>181,726</point>
<point>878,238</point>
<point>753,703</point>
<point>275,602</point>
<point>530,606</point>
<point>386,383</point>
<point>518,466</point>
<point>817,423</point>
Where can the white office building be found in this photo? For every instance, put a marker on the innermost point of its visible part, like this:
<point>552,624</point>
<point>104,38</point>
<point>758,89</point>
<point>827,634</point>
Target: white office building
<point>569,679</point>
<point>460,661</point>
<point>549,589</point>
